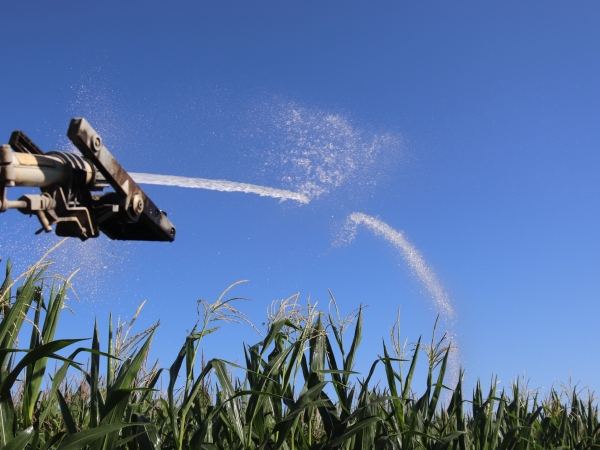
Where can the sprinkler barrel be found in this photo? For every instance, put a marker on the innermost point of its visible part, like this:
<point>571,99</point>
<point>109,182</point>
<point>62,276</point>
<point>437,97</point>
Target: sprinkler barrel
<point>72,190</point>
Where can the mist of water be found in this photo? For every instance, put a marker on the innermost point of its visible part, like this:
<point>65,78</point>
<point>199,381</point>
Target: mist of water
<point>317,151</point>
<point>219,185</point>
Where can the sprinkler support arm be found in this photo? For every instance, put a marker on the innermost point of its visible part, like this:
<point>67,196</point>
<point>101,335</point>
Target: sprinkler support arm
<point>67,182</point>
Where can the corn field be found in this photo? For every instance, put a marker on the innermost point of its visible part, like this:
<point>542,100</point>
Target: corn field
<point>295,390</point>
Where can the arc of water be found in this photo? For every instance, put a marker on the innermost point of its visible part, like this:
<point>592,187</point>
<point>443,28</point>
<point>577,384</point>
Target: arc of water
<point>218,185</point>
<point>414,259</point>
<point>425,274</point>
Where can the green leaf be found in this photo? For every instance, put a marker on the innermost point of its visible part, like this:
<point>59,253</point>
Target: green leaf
<point>349,362</point>
<point>324,371</point>
<point>37,370</point>
<point>58,378</point>
<point>94,378</point>
<point>7,417</point>
<point>411,371</point>
<point>116,400</point>
<point>43,351</point>
<point>20,441</point>
<point>66,414</point>
<point>110,367</point>
<point>85,437</point>
<point>438,388</point>
<point>173,373</point>
<point>228,391</point>
<point>53,440</point>
<point>353,429</point>
<point>125,440</point>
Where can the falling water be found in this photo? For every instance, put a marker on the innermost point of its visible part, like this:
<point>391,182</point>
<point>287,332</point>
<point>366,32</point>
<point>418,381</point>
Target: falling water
<point>414,259</point>
<point>218,185</point>
<point>425,274</point>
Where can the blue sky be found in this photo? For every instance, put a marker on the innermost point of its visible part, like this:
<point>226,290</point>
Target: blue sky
<point>484,121</point>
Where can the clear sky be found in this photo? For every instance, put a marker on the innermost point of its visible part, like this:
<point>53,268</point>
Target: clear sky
<point>472,127</point>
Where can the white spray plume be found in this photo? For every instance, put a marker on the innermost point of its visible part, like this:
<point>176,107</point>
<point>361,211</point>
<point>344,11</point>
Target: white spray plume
<point>218,185</point>
<point>319,151</point>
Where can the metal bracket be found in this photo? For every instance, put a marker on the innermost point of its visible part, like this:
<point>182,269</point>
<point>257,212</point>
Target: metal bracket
<point>22,144</point>
<point>137,218</point>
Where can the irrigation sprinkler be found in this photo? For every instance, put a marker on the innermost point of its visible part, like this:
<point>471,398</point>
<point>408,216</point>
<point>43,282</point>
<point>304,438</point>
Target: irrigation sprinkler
<point>72,190</point>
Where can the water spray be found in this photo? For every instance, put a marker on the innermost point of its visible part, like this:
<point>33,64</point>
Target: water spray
<point>219,185</point>
<point>72,188</point>
<point>414,259</point>
<point>426,275</point>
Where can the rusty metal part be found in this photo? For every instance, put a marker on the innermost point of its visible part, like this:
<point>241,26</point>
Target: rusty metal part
<point>142,221</point>
<point>67,181</point>
<point>22,144</point>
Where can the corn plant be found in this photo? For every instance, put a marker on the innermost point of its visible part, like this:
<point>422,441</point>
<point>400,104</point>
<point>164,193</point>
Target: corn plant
<point>297,387</point>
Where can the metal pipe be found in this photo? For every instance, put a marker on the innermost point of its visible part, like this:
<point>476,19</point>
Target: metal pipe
<point>15,204</point>
<point>44,170</point>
